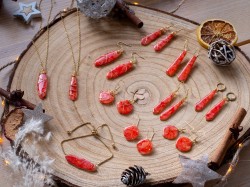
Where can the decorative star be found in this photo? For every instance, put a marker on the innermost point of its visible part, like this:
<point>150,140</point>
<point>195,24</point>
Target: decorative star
<point>27,12</point>
<point>37,114</point>
<point>195,172</point>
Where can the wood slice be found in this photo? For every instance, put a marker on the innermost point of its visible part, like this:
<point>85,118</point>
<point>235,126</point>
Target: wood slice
<point>100,37</point>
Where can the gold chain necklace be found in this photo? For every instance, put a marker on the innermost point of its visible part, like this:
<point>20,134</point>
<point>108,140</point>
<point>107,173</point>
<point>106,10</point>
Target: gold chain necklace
<point>73,90</point>
<point>42,82</point>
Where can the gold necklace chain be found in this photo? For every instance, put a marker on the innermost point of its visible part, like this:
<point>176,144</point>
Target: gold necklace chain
<point>44,64</point>
<point>76,64</point>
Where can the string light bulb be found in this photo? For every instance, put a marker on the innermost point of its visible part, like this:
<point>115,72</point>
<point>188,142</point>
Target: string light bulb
<point>135,3</point>
<point>6,162</point>
<point>1,140</point>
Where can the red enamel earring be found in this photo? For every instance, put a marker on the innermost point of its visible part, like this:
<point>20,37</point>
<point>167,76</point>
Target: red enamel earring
<point>214,111</point>
<point>169,112</point>
<point>184,144</point>
<point>145,146</point>
<point>208,98</point>
<point>162,43</point>
<point>153,36</point>
<point>131,132</point>
<point>175,65</point>
<point>122,68</point>
<point>187,69</point>
<point>110,57</point>
<point>163,104</point>
<point>171,132</point>
<point>125,107</point>
<point>108,97</point>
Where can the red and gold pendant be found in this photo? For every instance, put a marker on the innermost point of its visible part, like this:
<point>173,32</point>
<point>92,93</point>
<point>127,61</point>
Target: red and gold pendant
<point>106,97</point>
<point>162,43</point>
<point>170,132</point>
<point>184,144</point>
<point>163,104</point>
<point>73,89</point>
<point>120,70</point>
<point>145,146</point>
<point>187,69</point>
<point>108,58</point>
<point>125,107</point>
<point>81,163</point>
<point>42,84</point>
<point>151,37</point>
<point>131,132</point>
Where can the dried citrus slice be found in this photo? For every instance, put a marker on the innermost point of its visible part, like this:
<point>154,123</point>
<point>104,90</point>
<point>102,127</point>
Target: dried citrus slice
<point>213,30</point>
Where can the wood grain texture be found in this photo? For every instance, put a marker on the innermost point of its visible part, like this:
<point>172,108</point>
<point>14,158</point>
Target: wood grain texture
<point>149,74</point>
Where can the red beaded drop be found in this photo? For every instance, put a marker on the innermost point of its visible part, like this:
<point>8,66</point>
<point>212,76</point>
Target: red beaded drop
<point>131,132</point>
<point>215,110</point>
<point>106,97</point>
<point>81,163</point>
<point>73,89</point>
<point>205,101</point>
<point>170,132</point>
<point>120,70</point>
<point>161,44</point>
<point>124,107</point>
<point>42,84</point>
<point>145,146</point>
<point>163,104</point>
<point>107,58</point>
<point>187,70</point>
<point>174,67</point>
<point>184,144</point>
<point>151,37</point>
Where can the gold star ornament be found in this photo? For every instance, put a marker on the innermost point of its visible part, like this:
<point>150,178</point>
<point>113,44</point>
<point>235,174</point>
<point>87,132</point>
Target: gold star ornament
<point>27,12</point>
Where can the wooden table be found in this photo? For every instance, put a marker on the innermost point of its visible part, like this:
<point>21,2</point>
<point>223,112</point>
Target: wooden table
<point>14,37</point>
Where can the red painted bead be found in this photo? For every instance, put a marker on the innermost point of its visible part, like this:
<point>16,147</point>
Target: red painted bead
<point>205,101</point>
<point>42,84</point>
<point>174,67</point>
<point>170,132</point>
<point>145,146</point>
<point>187,69</point>
<point>107,58</point>
<point>151,37</point>
<point>80,163</point>
<point>124,107</point>
<point>161,44</point>
<point>131,132</point>
<point>163,104</point>
<point>120,70</point>
<point>184,144</point>
<point>73,89</point>
<point>215,110</point>
<point>106,97</point>
<point>167,114</point>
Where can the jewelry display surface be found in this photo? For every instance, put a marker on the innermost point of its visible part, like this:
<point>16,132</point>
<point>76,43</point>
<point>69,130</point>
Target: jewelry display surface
<point>149,74</point>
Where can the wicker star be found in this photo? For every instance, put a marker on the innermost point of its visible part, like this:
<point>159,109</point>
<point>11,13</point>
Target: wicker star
<point>27,12</point>
<point>37,114</point>
<point>195,172</point>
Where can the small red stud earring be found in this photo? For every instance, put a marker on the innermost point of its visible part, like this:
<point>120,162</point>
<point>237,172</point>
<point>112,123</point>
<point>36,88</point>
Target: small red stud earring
<point>145,146</point>
<point>213,112</point>
<point>169,112</point>
<point>208,98</point>
<point>171,132</point>
<point>122,68</point>
<point>111,56</point>
<point>163,104</point>
<point>162,43</point>
<point>131,132</point>
<point>153,36</point>
<point>175,65</point>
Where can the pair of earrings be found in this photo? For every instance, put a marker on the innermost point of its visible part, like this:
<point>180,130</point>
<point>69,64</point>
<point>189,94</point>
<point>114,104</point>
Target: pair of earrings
<point>155,35</point>
<point>82,163</point>
<point>183,143</point>
<point>144,146</point>
<point>182,77</point>
<point>110,57</point>
<point>171,110</point>
<point>214,111</point>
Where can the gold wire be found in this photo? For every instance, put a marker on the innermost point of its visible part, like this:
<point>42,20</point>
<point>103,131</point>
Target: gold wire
<point>76,64</point>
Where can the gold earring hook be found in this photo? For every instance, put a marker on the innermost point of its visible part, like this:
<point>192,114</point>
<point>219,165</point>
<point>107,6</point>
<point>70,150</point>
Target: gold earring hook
<point>186,45</point>
<point>110,133</point>
<point>120,45</point>
<point>231,96</point>
<point>152,134</point>
<point>133,57</point>
<point>117,87</point>
<point>221,87</point>
<point>186,96</point>
<point>178,88</point>
<point>197,52</point>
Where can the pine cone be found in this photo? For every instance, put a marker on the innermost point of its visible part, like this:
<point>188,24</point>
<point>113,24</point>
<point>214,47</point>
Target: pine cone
<point>134,176</point>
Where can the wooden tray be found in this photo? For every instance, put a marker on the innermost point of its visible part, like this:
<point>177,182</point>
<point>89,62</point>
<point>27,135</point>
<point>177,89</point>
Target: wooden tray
<point>99,37</point>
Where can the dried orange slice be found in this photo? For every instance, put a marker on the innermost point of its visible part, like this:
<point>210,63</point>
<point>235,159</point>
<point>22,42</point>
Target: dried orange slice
<point>213,30</point>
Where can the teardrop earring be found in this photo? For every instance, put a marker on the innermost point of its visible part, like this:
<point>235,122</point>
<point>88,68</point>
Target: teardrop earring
<point>163,104</point>
<point>214,111</point>
<point>208,98</point>
<point>82,163</point>
<point>171,132</point>
<point>145,146</point>
<point>176,64</point>
<point>110,57</point>
<point>153,36</point>
<point>123,68</point>
<point>131,132</point>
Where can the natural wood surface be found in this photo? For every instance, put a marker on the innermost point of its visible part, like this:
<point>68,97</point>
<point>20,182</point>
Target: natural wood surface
<point>15,36</point>
<point>149,74</point>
